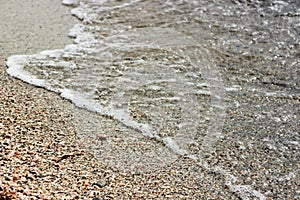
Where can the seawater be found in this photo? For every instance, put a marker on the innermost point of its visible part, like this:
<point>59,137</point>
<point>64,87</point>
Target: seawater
<point>146,74</point>
<point>149,75</point>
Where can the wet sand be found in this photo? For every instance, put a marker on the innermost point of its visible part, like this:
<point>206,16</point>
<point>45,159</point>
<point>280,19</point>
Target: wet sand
<point>41,156</point>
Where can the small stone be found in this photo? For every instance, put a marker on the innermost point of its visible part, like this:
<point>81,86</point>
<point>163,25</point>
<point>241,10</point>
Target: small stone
<point>101,136</point>
<point>101,183</point>
<point>16,177</point>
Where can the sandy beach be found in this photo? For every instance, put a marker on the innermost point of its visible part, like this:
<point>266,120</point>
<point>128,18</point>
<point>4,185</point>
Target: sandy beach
<point>41,156</point>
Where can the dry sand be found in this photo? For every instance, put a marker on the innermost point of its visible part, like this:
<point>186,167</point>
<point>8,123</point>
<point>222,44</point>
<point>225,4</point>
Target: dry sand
<point>40,154</point>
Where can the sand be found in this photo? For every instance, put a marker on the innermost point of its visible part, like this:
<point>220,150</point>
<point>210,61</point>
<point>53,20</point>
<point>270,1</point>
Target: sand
<point>41,156</point>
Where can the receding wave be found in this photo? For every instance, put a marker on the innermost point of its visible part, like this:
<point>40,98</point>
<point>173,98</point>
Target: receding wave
<point>147,75</point>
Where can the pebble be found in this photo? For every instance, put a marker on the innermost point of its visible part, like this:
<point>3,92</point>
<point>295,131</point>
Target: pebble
<point>101,136</point>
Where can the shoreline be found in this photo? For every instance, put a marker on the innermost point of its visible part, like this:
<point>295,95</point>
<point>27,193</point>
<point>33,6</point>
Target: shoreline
<point>41,156</point>
<point>49,147</point>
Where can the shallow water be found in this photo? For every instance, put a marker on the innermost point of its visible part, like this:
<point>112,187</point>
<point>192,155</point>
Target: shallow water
<point>166,79</point>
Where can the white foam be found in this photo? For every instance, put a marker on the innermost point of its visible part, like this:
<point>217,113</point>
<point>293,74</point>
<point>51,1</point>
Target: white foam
<point>70,2</point>
<point>169,142</point>
<point>245,192</point>
<point>233,88</point>
<point>16,65</point>
<point>124,117</point>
